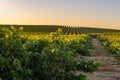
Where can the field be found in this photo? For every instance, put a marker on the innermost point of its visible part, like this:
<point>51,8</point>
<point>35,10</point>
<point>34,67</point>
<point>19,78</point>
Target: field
<point>45,52</point>
<point>66,29</point>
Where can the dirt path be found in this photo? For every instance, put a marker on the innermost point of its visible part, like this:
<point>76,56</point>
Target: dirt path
<point>98,49</point>
<point>109,69</point>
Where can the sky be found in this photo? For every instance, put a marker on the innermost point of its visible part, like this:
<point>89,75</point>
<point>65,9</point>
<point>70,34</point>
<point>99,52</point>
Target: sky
<point>88,13</point>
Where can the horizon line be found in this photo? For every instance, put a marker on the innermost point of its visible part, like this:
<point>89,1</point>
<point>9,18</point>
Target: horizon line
<point>57,25</point>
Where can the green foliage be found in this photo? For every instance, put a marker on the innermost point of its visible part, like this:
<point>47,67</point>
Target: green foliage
<point>117,55</point>
<point>13,57</point>
<point>22,59</point>
<point>58,61</point>
<point>80,48</point>
<point>54,62</point>
<point>88,66</point>
<point>36,46</point>
<point>112,43</point>
<point>35,64</point>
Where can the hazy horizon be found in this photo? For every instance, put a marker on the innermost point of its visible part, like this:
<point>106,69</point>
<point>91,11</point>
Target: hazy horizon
<point>93,13</point>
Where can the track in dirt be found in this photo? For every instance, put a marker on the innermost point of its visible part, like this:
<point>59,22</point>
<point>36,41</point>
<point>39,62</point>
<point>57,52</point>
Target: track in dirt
<point>109,69</point>
<point>98,49</point>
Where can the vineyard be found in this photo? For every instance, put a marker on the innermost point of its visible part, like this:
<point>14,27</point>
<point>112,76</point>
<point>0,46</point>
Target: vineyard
<point>112,43</point>
<point>66,29</point>
<point>53,52</point>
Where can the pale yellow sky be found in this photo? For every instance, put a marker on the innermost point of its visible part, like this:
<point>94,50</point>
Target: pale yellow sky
<point>93,13</point>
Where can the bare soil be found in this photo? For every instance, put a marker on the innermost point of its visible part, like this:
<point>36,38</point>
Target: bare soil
<point>109,69</point>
